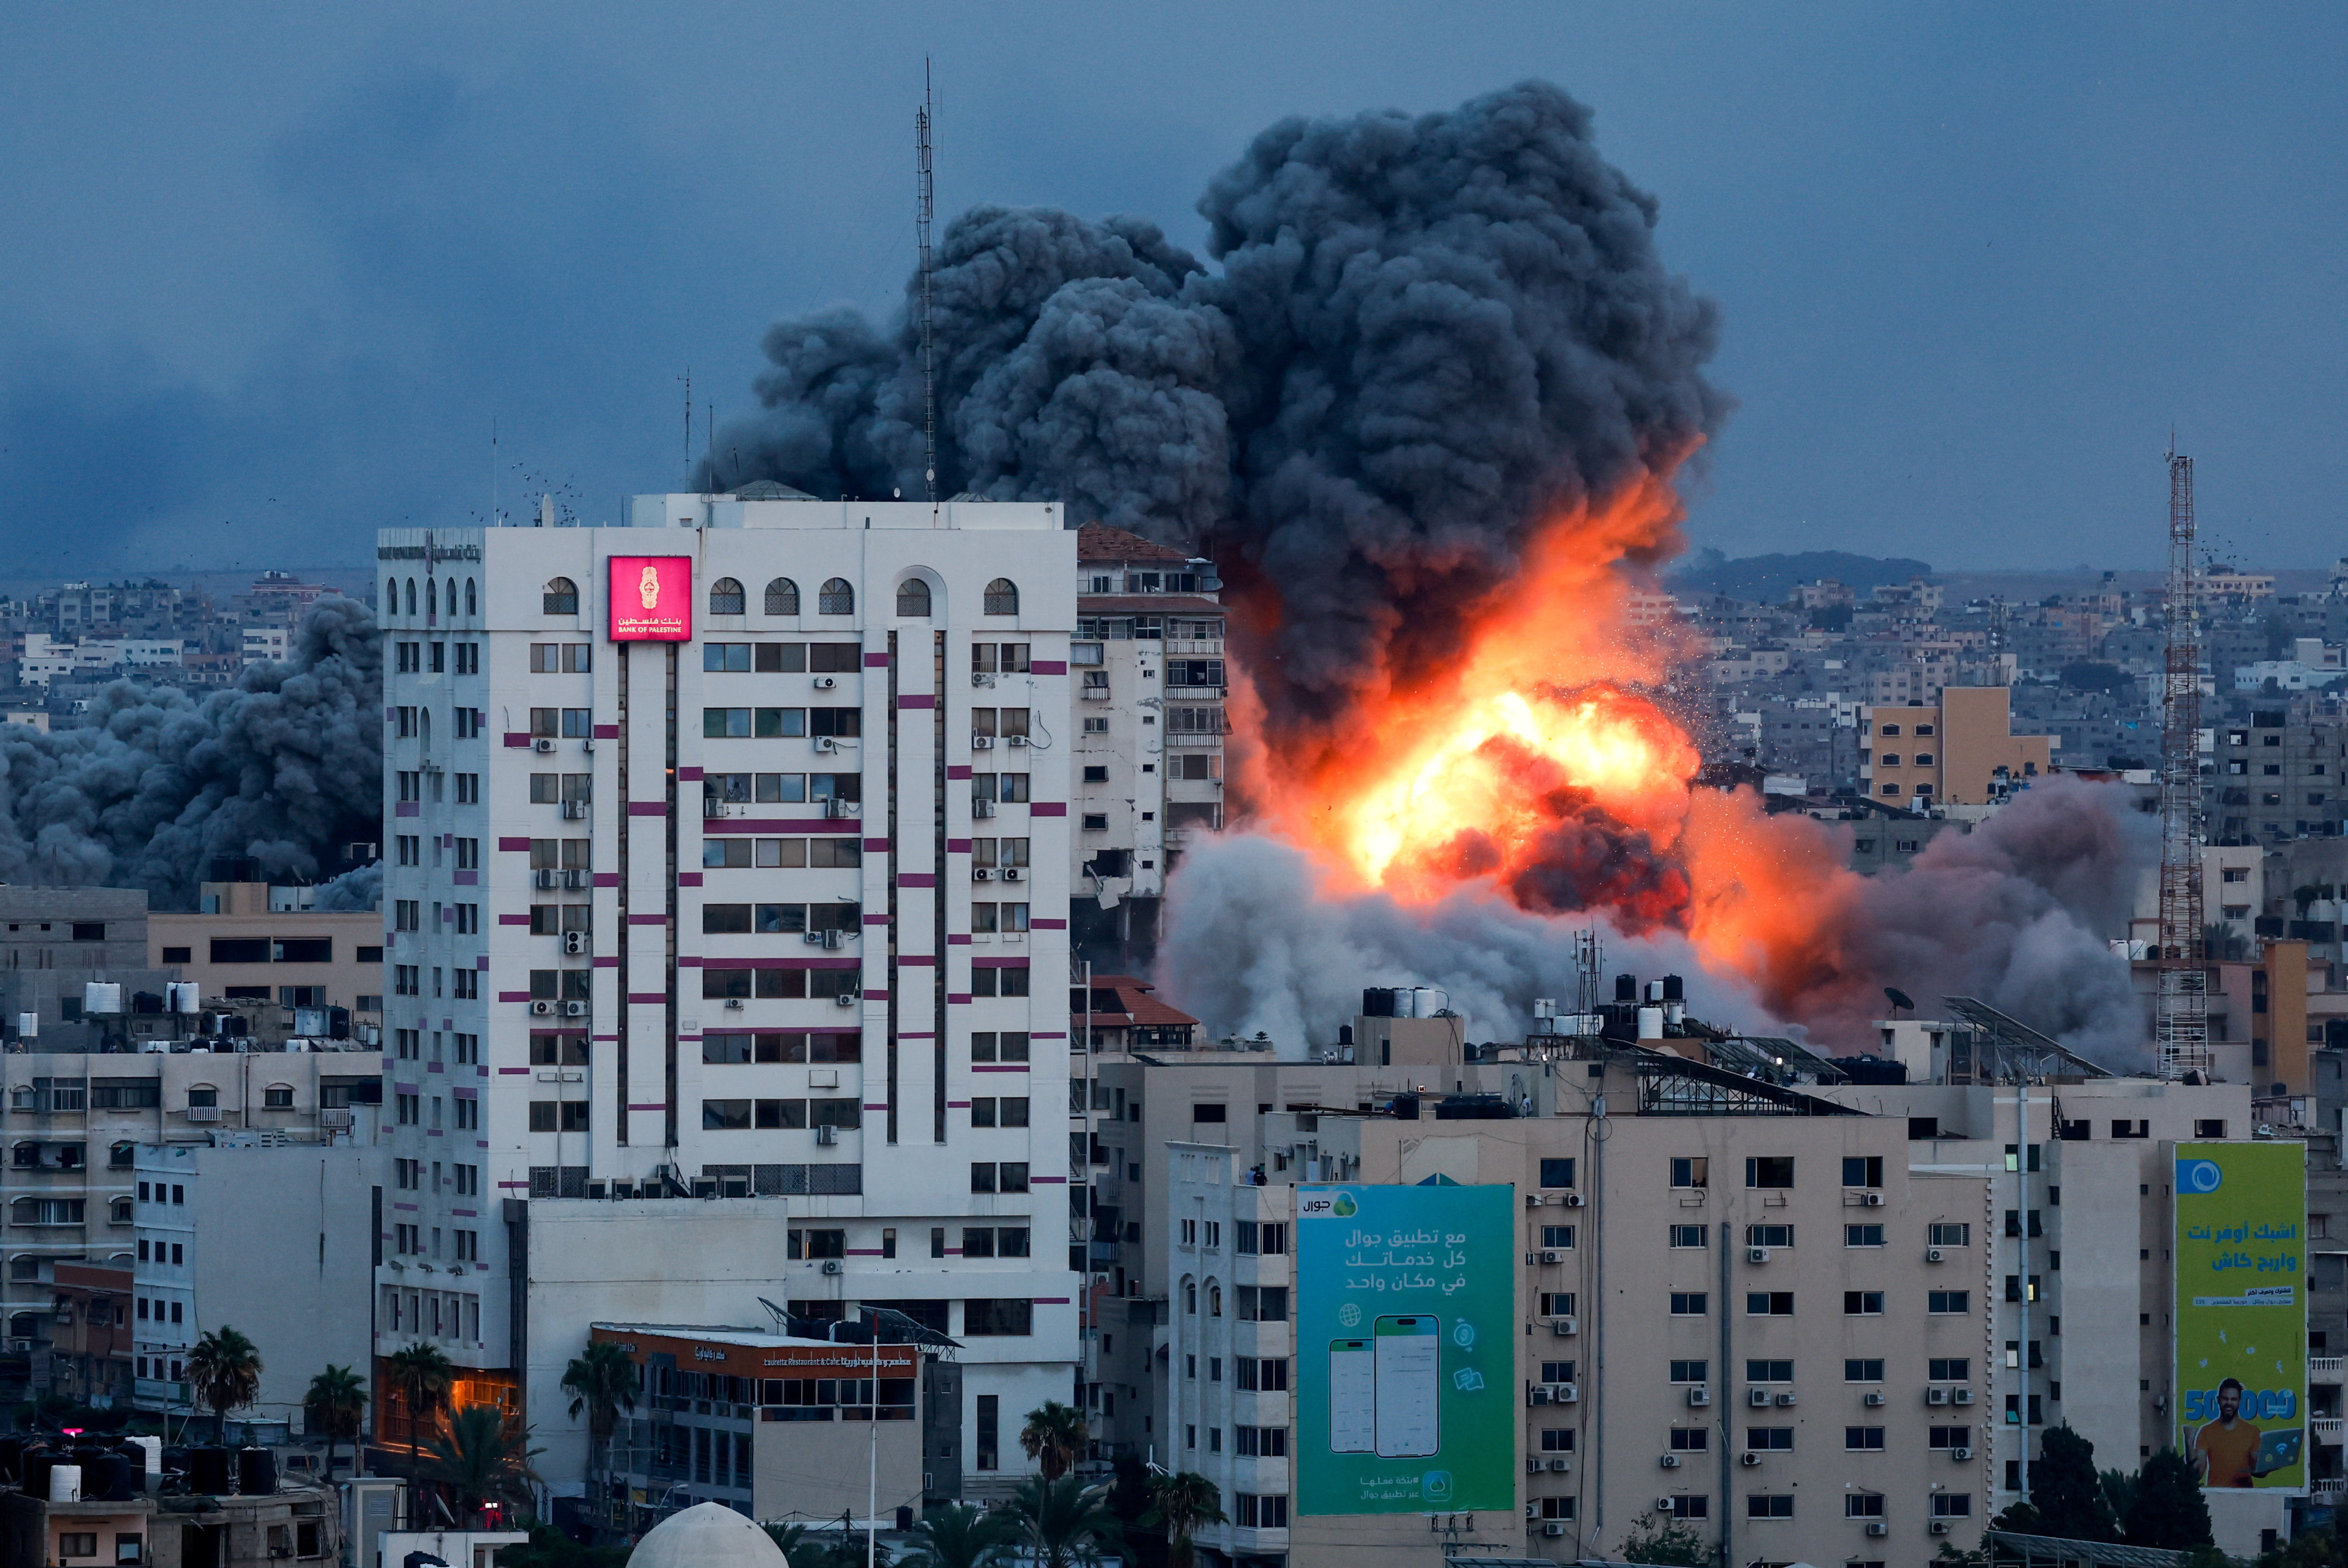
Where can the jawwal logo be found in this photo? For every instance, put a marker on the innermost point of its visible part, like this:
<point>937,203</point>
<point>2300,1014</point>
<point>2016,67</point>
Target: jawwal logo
<point>2199,1176</point>
<point>652,599</point>
<point>1327,1206</point>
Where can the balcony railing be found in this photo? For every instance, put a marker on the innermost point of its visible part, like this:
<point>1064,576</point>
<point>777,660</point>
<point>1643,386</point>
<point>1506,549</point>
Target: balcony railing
<point>2327,1368</point>
<point>2328,1428</point>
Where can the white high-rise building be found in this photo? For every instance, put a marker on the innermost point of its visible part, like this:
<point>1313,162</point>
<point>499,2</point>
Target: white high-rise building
<point>701,886</point>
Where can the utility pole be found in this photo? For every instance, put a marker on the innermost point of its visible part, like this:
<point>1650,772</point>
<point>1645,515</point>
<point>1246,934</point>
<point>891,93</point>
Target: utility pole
<point>2181,983</point>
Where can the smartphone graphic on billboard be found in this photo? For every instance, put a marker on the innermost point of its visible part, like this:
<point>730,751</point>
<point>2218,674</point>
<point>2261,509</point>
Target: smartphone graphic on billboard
<point>1352,1396</point>
<point>1410,1366</point>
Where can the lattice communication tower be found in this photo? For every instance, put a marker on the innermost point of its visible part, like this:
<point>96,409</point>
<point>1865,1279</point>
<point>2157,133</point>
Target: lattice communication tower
<point>2182,1002</point>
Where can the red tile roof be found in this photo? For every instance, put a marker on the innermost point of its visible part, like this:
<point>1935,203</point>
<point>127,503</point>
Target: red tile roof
<point>1098,542</point>
<point>1138,1008</point>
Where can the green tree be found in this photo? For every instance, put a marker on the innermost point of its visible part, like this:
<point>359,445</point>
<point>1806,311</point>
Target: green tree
<point>482,1454</point>
<point>604,1382</point>
<point>958,1536</point>
<point>422,1375</point>
<point>2167,1509</point>
<point>1669,1540</point>
<point>1053,1437</point>
<point>2065,1490</point>
<point>333,1404</point>
<point>1181,1502</point>
<point>224,1369</point>
<point>1063,1522</point>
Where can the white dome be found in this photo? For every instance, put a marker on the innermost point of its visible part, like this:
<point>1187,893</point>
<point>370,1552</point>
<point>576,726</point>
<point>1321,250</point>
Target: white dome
<point>707,1535</point>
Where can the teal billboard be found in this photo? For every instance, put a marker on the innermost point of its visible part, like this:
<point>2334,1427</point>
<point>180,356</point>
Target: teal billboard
<point>1405,1349</point>
<point>2240,1315</point>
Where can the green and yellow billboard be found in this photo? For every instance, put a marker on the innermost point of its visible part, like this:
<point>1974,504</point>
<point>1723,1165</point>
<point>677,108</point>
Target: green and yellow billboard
<point>2241,1311</point>
<point>1405,1349</point>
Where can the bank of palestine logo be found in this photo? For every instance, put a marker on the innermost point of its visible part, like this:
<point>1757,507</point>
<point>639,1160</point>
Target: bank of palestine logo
<point>648,586</point>
<point>1344,1207</point>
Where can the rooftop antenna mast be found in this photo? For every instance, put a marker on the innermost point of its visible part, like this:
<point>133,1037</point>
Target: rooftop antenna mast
<point>2181,994</point>
<point>925,211</point>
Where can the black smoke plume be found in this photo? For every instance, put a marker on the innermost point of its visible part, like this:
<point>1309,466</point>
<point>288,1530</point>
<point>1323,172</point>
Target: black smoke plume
<point>284,768</point>
<point>1427,335</point>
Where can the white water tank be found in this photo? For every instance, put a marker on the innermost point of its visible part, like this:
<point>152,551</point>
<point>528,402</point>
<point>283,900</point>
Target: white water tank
<point>101,996</point>
<point>1651,1023</point>
<point>65,1483</point>
<point>1426,1001</point>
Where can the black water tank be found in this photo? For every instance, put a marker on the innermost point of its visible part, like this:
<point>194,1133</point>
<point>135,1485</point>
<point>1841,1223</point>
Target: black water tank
<point>1626,987</point>
<point>1673,992</point>
<point>1406,1108</point>
<point>1379,1002</point>
<point>208,1470</point>
<point>33,1471</point>
<point>107,1475</point>
<point>12,1457</point>
<point>256,1471</point>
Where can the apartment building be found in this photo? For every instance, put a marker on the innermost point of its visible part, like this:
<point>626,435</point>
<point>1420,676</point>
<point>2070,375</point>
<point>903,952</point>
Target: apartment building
<point>286,970</point>
<point>55,942</point>
<point>76,1124</point>
<point>1954,750</point>
<point>1147,724</point>
<point>686,902</point>
<point>1808,1319</point>
<point>273,1239</point>
<point>2272,781</point>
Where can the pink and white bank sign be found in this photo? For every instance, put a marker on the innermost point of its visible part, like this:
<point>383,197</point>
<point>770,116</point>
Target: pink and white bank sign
<point>652,599</point>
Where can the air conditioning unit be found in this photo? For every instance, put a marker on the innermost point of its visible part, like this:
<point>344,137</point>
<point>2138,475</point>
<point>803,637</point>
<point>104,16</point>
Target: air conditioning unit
<point>826,682</point>
<point>981,743</point>
<point>543,878</point>
<point>1960,1396</point>
<point>1756,1255</point>
<point>1532,1464</point>
<point>542,744</point>
<point>1670,1461</point>
<point>541,1009</point>
<point>733,1003</point>
<point>1939,1527</point>
<point>578,877</point>
<point>1961,1454</point>
<point>827,1135</point>
<point>1663,1505</point>
<point>981,873</point>
<point>831,1266</point>
<point>1567,1393</point>
<point>1536,1396</point>
<point>711,806</point>
<point>1560,1465</point>
<point>1011,873</point>
<point>1566,1327</point>
<point>574,811</point>
<point>982,680</point>
<point>1014,740</point>
<point>1786,1400</point>
<point>1757,1398</point>
<point>1935,1255</point>
<point>1872,1200</point>
<point>826,743</point>
<point>575,1009</point>
<point>1874,1397</point>
<point>982,808</point>
<point>576,943</point>
<point>1533,1200</point>
<point>1877,1527</point>
<point>835,936</point>
<point>812,938</point>
<point>1553,1528</point>
<point>1748,1459</point>
<point>1575,1201</point>
<point>1699,1398</point>
<point>1551,1255</point>
<point>845,999</point>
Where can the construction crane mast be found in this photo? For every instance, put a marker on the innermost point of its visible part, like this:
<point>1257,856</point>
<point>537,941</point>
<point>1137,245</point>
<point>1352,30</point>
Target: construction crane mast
<point>2181,995</point>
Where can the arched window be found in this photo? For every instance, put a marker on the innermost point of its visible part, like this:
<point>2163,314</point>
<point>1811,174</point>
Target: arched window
<point>449,597</point>
<point>424,728</point>
<point>725,597</point>
<point>782,597</point>
<point>914,599</point>
<point>470,608</point>
<point>1003,597</point>
<point>411,595</point>
<point>1214,1299</point>
<point>431,597</point>
<point>391,596</point>
<point>23,1325</point>
<point>561,596</point>
<point>119,1211</point>
<point>277,1097</point>
<point>837,598</point>
<point>1191,1296</point>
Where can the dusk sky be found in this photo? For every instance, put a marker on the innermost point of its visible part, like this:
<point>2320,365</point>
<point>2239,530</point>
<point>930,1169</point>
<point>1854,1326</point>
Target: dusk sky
<point>270,274</point>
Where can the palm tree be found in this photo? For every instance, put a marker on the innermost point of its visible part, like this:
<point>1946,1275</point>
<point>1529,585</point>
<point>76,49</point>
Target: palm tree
<point>604,1382</point>
<point>421,1375</point>
<point>1053,1435</point>
<point>482,1453</point>
<point>336,1401</point>
<point>959,1536</point>
<point>1063,1522</point>
<point>225,1369</point>
<point>1181,1502</point>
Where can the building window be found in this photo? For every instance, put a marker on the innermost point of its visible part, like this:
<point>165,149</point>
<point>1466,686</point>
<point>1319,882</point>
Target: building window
<point>836,597</point>
<point>1557,1173</point>
<point>1688,1303</point>
<point>986,1433</point>
<point>782,597</point>
<point>1769,1304</point>
<point>1950,1302</point>
<point>725,597</point>
<point>1772,1505</point>
<point>561,597</point>
<point>1769,1171</point>
<point>1696,1172</point>
<point>914,599</point>
<point>1690,1235</point>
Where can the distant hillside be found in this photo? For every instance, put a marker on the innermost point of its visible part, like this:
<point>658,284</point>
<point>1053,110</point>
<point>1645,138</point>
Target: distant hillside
<point>1767,579</point>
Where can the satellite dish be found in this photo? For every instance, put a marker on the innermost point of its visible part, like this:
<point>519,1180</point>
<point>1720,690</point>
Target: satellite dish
<point>1899,998</point>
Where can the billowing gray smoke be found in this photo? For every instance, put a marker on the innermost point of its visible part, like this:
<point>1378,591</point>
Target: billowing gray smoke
<point>285,767</point>
<point>2013,914</point>
<point>1427,334</point>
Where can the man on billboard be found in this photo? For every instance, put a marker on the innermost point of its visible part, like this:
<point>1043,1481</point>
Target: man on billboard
<point>2228,1448</point>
